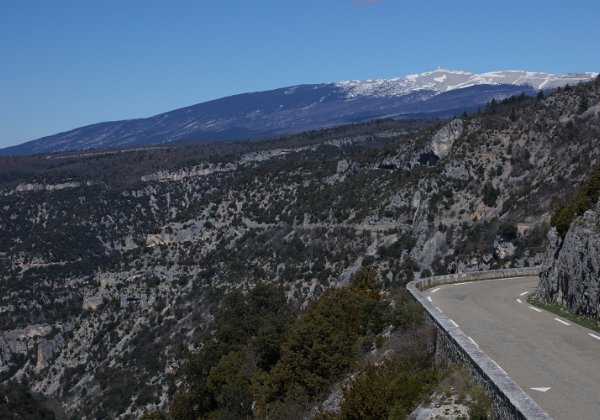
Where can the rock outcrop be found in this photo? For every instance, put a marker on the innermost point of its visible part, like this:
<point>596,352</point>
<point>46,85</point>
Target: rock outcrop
<point>571,273</point>
<point>442,141</point>
<point>42,340</point>
<point>180,174</point>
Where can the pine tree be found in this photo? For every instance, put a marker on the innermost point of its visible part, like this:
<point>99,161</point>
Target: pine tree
<point>583,104</point>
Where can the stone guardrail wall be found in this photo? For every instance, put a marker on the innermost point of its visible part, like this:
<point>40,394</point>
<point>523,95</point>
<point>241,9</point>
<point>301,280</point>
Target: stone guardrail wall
<point>509,401</point>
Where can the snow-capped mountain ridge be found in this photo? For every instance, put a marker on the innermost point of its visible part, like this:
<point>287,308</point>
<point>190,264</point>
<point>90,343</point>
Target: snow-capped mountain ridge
<point>444,80</point>
<point>440,93</point>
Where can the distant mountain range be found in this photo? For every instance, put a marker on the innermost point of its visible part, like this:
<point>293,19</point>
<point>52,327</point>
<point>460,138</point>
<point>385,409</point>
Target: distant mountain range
<point>440,93</point>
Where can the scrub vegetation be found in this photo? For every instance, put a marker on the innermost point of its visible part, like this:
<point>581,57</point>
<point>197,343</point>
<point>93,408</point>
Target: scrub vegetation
<point>259,359</point>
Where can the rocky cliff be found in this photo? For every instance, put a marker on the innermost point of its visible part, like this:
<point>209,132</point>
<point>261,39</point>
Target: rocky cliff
<point>571,276</point>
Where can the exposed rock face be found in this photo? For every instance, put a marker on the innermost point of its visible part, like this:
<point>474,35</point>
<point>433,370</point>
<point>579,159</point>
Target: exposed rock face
<point>442,141</point>
<point>504,249</point>
<point>342,166</point>
<point>36,187</point>
<point>457,170</point>
<point>46,350</point>
<point>187,173</point>
<point>44,339</point>
<point>571,276</point>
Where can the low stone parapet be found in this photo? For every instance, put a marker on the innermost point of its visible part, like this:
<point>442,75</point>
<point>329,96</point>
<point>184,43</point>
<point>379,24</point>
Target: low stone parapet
<point>509,401</point>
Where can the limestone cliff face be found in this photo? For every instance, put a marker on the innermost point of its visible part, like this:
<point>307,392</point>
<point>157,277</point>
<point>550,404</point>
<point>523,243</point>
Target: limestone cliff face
<point>42,340</point>
<point>571,275</point>
<point>442,141</point>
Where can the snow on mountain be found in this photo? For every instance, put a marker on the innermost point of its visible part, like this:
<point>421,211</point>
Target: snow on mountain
<point>441,93</point>
<point>444,80</point>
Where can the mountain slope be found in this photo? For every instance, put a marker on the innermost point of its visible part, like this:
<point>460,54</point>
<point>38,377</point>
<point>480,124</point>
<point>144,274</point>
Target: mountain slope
<point>441,93</point>
<point>110,263</point>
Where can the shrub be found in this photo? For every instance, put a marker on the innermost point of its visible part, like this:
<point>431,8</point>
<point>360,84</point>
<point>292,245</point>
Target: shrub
<point>319,349</point>
<point>230,383</point>
<point>368,260</point>
<point>245,339</point>
<point>508,232</point>
<point>490,195</point>
<point>586,199</point>
<point>457,381</point>
<point>388,390</point>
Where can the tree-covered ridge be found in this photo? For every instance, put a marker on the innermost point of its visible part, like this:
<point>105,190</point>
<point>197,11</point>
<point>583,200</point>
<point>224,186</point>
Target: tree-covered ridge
<point>257,359</point>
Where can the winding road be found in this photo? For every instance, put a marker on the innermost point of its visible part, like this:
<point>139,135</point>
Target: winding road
<point>554,360</point>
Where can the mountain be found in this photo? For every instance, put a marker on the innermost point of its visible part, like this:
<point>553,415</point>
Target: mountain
<point>439,93</point>
<point>113,263</point>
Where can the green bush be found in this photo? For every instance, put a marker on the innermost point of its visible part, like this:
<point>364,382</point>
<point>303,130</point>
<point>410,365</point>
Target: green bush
<point>319,349</point>
<point>490,195</point>
<point>230,382</point>
<point>586,199</point>
<point>325,341</point>
<point>256,353</point>
<point>388,390</point>
<point>508,232</point>
<point>243,343</point>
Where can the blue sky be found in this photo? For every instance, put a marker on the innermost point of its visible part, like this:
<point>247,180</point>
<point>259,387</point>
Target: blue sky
<point>65,63</point>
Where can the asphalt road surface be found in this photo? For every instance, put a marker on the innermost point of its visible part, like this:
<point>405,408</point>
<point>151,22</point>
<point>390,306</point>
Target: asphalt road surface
<point>552,359</point>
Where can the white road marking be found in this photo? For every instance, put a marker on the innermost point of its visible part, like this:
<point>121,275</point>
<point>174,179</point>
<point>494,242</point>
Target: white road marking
<point>435,290</point>
<point>535,309</point>
<point>519,300</point>
<point>458,284</point>
<point>473,341</point>
<point>454,323</point>
<point>541,389</point>
<point>429,298</point>
<point>524,293</point>
<point>594,336</point>
<point>437,307</point>
<point>561,321</point>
